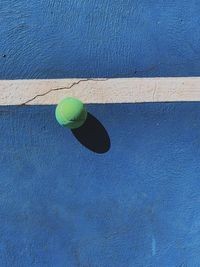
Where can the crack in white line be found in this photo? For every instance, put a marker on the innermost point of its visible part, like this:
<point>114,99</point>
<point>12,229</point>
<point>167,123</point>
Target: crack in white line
<point>63,88</point>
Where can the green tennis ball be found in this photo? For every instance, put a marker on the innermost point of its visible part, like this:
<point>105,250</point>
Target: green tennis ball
<point>71,113</point>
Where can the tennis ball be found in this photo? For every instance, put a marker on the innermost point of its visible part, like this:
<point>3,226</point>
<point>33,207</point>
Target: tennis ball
<point>71,113</point>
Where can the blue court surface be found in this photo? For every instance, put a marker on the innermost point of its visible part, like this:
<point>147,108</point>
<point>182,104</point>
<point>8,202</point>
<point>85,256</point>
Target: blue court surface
<point>130,198</point>
<point>99,38</point>
<point>124,189</point>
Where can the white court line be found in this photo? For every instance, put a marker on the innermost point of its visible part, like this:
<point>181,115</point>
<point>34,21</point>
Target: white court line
<point>121,90</point>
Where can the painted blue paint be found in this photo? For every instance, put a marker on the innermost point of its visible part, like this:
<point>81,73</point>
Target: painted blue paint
<point>107,38</point>
<point>136,205</point>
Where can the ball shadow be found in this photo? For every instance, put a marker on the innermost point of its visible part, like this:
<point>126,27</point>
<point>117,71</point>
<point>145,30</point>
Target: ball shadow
<point>93,135</point>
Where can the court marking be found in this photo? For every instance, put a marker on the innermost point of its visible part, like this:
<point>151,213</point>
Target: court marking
<point>120,90</point>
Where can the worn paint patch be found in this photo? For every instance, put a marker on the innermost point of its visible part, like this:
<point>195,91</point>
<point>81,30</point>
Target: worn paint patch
<point>153,244</point>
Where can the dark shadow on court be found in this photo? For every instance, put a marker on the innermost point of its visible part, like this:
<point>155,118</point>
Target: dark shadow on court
<point>93,135</point>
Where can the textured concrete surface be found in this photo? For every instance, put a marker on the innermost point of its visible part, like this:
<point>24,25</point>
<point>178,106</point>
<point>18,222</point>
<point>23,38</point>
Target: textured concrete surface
<point>107,38</point>
<point>136,205</point>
